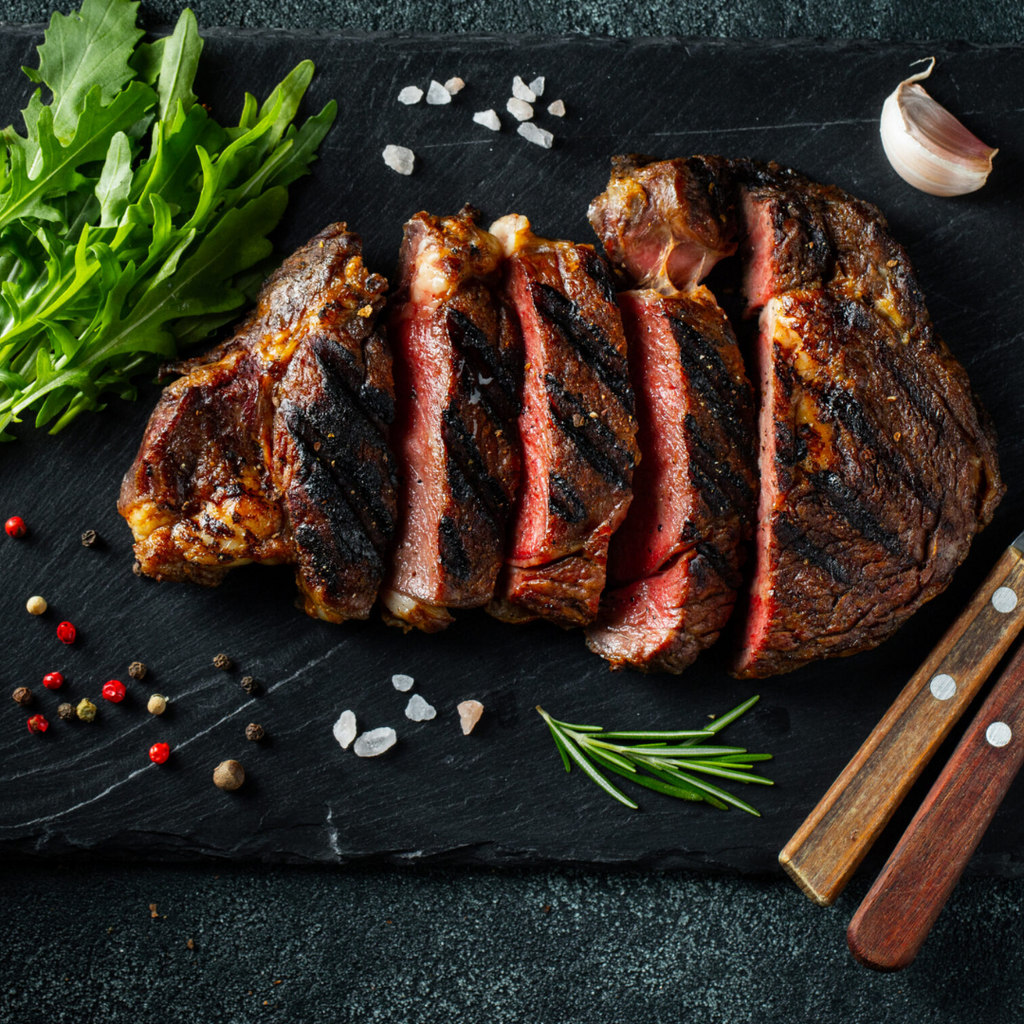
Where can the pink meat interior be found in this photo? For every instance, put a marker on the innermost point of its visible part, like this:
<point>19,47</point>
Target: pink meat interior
<point>758,247</point>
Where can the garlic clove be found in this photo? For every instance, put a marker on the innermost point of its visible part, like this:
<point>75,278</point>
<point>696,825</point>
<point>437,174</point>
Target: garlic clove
<point>927,146</point>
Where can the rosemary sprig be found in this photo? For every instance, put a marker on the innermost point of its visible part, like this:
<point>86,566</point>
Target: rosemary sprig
<point>661,760</point>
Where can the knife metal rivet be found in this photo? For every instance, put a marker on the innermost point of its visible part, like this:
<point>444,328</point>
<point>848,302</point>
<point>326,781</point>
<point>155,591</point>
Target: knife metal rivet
<point>942,686</point>
<point>1004,600</point>
<point>999,734</point>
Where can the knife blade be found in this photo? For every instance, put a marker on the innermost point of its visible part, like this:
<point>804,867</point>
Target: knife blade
<point>829,846</point>
<point>897,914</point>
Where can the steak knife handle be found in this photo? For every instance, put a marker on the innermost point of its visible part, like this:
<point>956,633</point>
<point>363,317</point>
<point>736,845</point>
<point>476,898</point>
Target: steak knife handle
<point>827,849</point>
<point>898,912</point>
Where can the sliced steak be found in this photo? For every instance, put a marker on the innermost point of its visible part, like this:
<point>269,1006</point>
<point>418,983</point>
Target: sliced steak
<point>667,222</point>
<point>673,565</point>
<point>458,372</point>
<point>271,448</point>
<point>576,428</point>
<point>877,464</point>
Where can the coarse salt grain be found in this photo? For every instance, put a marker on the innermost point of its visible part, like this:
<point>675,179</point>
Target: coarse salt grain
<point>345,729</point>
<point>375,742</point>
<point>418,710</point>
<point>438,95</point>
<point>489,119</point>
<point>537,85</point>
<point>402,682</point>
<point>522,91</point>
<point>410,94</point>
<point>519,109</point>
<point>557,109</point>
<point>469,714</point>
<point>400,159</point>
<point>538,136</point>
<point>454,85</point>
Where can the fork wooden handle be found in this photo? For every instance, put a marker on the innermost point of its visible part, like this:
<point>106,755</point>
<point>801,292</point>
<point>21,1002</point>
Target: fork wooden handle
<point>829,846</point>
<point>897,914</point>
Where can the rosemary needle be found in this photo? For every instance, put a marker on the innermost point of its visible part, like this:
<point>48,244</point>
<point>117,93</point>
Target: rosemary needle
<point>660,760</point>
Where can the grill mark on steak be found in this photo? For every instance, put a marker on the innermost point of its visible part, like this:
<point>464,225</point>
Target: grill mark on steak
<point>790,535</point>
<point>454,557</point>
<point>563,501</point>
<point>484,360</point>
<point>848,504</point>
<point>467,463</point>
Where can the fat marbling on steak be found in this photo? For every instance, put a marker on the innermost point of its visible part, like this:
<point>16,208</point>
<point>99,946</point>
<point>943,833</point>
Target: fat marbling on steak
<point>458,374</point>
<point>576,429</point>
<point>272,447</point>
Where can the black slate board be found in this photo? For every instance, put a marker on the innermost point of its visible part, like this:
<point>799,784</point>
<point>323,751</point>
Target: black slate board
<point>500,795</point>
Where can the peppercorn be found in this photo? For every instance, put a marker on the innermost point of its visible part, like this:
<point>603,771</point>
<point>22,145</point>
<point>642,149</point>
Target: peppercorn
<point>15,527</point>
<point>114,691</point>
<point>159,752</point>
<point>137,670</point>
<point>89,537</point>
<point>53,680</point>
<point>222,661</point>
<point>254,731</point>
<point>86,710</point>
<point>36,605</point>
<point>37,723</point>
<point>66,633</point>
<point>157,704</point>
<point>250,685</point>
<point>23,696</point>
<point>228,775</point>
<point>66,712</point>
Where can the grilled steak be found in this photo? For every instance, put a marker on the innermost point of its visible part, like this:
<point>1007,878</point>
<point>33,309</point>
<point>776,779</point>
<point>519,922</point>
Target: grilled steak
<point>576,428</point>
<point>877,465</point>
<point>673,565</point>
<point>271,448</point>
<point>458,372</point>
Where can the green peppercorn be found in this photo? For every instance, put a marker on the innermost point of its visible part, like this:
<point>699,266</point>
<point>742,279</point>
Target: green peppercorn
<point>86,710</point>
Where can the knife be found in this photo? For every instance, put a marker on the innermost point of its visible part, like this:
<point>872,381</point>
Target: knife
<point>827,849</point>
<point>898,912</point>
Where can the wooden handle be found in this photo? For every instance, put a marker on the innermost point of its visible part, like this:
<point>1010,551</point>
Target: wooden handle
<point>892,923</point>
<point>826,850</point>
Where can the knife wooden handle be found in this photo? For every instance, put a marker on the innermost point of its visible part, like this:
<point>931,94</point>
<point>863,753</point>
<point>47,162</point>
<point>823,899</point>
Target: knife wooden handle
<point>829,846</point>
<point>897,914</point>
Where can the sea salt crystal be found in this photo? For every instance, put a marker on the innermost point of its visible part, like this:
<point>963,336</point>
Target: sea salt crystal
<point>438,95</point>
<point>557,109</point>
<point>345,729</point>
<point>489,119</point>
<point>402,682</point>
<point>454,85</point>
<point>522,91</point>
<point>375,742</point>
<point>400,159</point>
<point>418,710</point>
<point>519,109</point>
<point>538,136</point>
<point>537,86</point>
<point>469,714</point>
<point>410,94</point>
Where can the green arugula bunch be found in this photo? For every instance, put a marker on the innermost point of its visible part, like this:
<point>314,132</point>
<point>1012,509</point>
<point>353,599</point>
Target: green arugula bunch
<point>131,222</point>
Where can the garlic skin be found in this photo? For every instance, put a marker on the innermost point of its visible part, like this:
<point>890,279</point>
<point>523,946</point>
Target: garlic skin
<point>927,146</point>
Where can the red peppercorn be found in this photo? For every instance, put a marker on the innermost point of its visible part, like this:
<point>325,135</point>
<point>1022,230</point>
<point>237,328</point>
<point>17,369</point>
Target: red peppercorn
<point>15,527</point>
<point>159,752</point>
<point>66,633</point>
<point>114,691</point>
<point>53,680</point>
<point>38,724</point>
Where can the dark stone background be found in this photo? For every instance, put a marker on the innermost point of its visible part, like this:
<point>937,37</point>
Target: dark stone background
<point>555,946</point>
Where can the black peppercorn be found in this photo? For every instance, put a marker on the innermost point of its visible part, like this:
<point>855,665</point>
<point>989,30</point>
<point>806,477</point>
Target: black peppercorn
<point>137,670</point>
<point>23,696</point>
<point>89,537</point>
<point>222,661</point>
<point>66,712</point>
<point>250,685</point>
<point>254,731</point>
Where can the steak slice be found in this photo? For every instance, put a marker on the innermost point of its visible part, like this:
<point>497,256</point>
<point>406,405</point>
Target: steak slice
<point>667,222</point>
<point>877,464</point>
<point>673,565</point>
<point>576,428</point>
<point>271,448</point>
<point>458,372</point>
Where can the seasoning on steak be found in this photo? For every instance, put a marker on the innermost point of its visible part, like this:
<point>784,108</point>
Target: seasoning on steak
<point>458,372</point>
<point>673,566</point>
<point>272,447</point>
<point>667,222</point>
<point>877,465</point>
<point>576,428</point>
